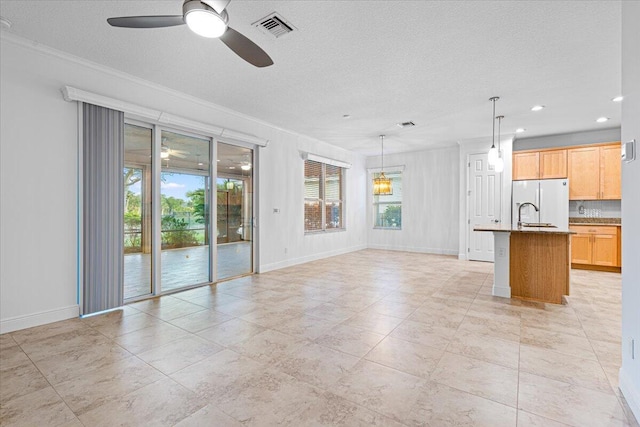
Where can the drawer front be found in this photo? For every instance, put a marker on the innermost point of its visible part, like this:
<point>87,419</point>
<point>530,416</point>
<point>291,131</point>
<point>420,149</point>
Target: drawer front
<point>595,229</point>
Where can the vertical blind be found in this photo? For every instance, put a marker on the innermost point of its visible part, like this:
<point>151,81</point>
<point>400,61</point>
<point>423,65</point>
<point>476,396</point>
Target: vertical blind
<point>102,208</point>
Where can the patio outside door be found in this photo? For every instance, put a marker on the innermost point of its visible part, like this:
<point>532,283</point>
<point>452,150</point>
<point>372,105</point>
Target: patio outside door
<point>184,195</point>
<point>168,226</point>
<point>234,211</point>
<point>167,188</point>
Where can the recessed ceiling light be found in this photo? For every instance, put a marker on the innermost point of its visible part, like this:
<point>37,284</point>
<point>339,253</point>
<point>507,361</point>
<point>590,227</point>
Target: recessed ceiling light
<point>537,107</point>
<point>618,99</point>
<point>218,160</point>
<point>232,167</point>
<point>246,167</point>
<point>520,130</point>
<point>200,164</point>
<point>602,119</point>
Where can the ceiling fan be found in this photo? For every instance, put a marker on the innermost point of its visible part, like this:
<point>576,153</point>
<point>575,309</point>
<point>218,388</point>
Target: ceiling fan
<point>166,151</point>
<point>207,18</point>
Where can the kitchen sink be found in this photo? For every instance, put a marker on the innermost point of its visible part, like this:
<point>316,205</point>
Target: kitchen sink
<point>538,224</point>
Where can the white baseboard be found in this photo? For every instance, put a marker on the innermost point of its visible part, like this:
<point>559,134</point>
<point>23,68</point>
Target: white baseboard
<point>500,291</point>
<point>424,250</point>
<point>36,319</point>
<point>462,257</point>
<point>301,260</point>
<point>631,392</point>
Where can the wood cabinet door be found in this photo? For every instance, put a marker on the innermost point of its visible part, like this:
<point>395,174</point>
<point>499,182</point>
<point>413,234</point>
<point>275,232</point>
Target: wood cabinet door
<point>581,248</point>
<point>526,165</point>
<point>584,173</point>
<point>610,172</point>
<point>553,164</point>
<point>605,249</point>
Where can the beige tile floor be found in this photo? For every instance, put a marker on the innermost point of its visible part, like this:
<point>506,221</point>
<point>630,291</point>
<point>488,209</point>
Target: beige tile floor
<point>345,341</point>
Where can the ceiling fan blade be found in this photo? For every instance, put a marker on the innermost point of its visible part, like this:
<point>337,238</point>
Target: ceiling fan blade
<point>245,48</point>
<point>217,5</point>
<point>178,155</point>
<point>146,21</point>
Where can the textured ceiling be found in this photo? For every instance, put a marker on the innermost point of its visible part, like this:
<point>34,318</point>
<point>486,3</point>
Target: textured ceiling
<point>381,62</point>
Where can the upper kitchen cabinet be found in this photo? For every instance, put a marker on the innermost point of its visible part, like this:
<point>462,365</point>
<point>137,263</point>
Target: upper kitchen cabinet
<point>526,165</point>
<point>553,164</point>
<point>540,164</point>
<point>610,172</point>
<point>595,172</point>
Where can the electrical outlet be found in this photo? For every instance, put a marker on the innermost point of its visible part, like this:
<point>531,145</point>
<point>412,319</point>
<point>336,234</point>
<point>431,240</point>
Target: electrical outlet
<point>502,252</point>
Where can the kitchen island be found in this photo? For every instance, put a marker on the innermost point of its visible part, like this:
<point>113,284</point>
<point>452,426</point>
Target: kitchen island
<point>531,263</point>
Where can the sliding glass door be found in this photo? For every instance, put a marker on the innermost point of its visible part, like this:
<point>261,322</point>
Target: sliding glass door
<point>184,198</point>
<point>234,207</point>
<point>168,191</point>
<point>137,211</point>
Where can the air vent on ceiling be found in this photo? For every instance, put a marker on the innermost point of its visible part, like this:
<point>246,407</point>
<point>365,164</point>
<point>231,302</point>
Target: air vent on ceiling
<point>405,124</point>
<point>274,24</point>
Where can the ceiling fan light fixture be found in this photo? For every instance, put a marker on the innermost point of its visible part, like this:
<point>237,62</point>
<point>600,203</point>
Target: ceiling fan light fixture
<point>203,20</point>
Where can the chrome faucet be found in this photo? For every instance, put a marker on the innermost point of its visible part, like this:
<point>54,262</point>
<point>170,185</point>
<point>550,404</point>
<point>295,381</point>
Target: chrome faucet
<point>520,212</point>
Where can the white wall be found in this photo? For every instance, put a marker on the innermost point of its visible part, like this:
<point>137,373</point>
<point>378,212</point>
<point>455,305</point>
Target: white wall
<point>38,150</point>
<point>38,155</point>
<point>430,203</point>
<point>630,371</point>
<point>481,146</point>
<point>567,139</point>
<point>281,178</point>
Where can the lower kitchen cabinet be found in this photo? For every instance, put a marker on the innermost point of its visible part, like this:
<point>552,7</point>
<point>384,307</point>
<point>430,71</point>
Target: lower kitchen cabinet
<point>597,246</point>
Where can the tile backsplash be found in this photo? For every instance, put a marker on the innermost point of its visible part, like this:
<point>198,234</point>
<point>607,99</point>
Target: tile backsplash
<point>595,208</point>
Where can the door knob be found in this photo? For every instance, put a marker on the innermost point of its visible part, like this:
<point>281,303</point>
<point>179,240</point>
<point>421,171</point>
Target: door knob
<point>496,221</point>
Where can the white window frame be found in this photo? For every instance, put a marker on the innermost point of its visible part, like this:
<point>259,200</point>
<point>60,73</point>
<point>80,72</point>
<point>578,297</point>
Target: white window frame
<point>324,202</point>
<point>390,172</point>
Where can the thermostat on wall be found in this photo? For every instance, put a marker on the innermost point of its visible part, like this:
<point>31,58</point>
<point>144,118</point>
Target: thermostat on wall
<point>629,151</point>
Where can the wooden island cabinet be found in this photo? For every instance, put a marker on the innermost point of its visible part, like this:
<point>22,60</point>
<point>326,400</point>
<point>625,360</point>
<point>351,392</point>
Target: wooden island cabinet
<point>531,263</point>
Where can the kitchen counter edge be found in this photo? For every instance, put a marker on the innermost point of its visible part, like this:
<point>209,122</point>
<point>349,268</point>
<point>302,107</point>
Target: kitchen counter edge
<point>510,229</point>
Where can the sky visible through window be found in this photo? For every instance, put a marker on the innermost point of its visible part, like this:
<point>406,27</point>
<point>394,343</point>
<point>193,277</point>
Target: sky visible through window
<point>175,185</point>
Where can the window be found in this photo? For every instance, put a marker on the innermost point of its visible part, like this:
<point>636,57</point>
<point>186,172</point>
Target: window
<point>323,196</point>
<point>387,210</point>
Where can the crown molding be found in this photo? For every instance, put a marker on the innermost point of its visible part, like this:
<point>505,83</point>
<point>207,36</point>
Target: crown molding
<point>49,51</point>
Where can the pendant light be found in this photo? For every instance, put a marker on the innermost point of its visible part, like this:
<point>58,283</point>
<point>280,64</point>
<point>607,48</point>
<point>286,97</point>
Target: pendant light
<point>493,152</point>
<point>382,184</point>
<point>499,166</point>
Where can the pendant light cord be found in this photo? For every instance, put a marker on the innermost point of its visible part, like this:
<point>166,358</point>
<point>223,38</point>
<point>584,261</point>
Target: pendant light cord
<point>499,121</point>
<point>493,120</point>
<point>382,154</point>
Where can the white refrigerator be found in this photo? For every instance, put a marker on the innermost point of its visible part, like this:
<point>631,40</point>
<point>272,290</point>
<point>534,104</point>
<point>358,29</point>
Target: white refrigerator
<point>551,196</point>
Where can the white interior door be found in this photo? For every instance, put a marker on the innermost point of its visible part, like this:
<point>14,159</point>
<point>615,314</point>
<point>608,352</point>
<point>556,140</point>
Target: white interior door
<point>485,194</point>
